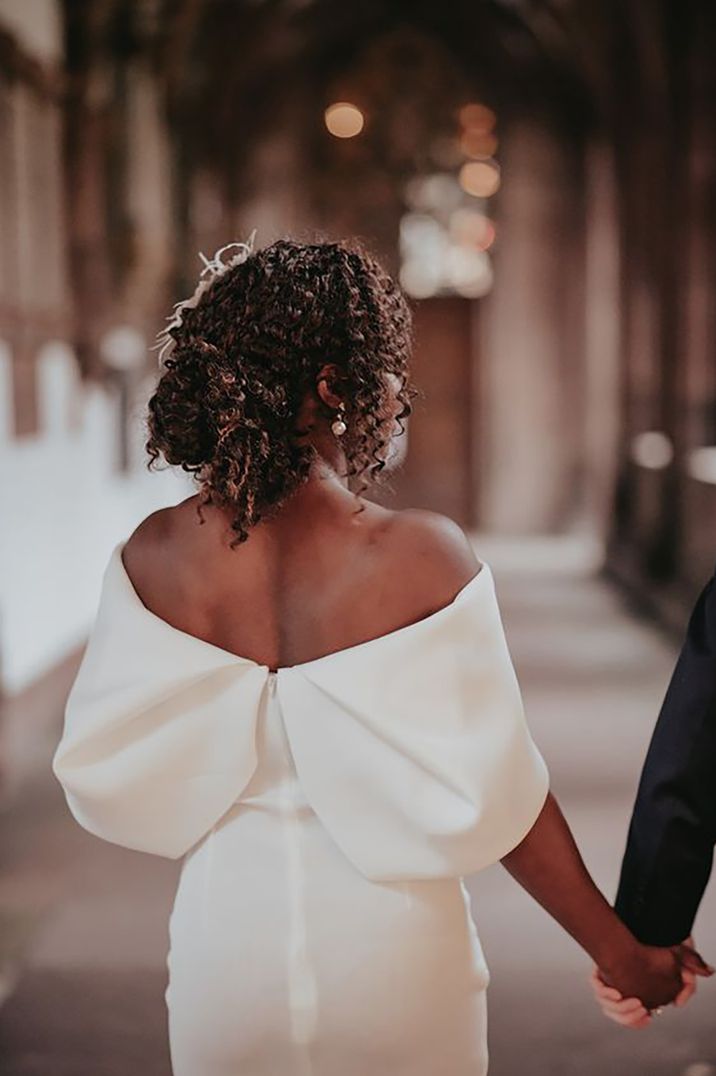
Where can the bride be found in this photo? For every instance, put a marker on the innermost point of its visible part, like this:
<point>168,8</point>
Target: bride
<point>309,700</point>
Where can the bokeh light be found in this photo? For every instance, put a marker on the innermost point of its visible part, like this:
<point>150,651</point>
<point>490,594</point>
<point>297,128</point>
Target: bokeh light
<point>435,193</point>
<point>478,144</point>
<point>480,178</point>
<point>344,120</point>
<point>477,117</point>
<point>473,229</point>
<point>652,449</point>
<point>468,272</point>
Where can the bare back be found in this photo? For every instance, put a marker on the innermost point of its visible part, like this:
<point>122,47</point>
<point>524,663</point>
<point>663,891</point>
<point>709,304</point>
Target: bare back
<point>318,578</point>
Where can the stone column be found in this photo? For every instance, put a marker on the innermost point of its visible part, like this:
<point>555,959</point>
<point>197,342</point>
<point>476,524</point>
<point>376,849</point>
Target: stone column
<point>531,389</point>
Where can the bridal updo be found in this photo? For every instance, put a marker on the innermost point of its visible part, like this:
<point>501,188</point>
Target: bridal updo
<point>245,350</point>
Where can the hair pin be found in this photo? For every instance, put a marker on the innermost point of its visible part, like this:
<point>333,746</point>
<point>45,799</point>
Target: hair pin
<point>215,267</point>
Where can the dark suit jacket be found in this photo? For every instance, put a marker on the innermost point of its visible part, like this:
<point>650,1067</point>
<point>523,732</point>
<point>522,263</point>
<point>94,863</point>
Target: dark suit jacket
<point>669,851</point>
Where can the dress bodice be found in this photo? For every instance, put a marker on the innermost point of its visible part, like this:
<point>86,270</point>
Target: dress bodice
<point>274,786</point>
<point>412,748</point>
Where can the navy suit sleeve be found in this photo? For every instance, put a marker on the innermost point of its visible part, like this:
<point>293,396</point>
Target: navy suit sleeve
<point>669,851</point>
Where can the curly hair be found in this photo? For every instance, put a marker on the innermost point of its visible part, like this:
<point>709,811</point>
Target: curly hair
<point>243,358</point>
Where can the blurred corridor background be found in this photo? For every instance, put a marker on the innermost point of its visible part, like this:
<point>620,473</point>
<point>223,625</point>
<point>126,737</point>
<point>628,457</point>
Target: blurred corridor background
<point>540,175</point>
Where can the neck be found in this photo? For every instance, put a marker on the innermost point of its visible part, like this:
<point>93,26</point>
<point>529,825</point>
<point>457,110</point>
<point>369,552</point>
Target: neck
<point>323,470</point>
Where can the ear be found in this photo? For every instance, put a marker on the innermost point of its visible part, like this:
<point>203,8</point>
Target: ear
<point>328,385</point>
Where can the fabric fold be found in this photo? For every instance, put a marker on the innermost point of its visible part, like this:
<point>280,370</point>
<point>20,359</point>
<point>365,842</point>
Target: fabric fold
<point>159,731</point>
<point>412,748</point>
<point>417,757</point>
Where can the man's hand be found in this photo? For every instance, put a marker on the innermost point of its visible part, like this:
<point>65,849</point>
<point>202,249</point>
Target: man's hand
<point>633,1007</point>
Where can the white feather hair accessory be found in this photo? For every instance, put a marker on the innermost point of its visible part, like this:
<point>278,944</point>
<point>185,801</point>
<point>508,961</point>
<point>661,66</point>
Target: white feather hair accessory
<point>213,269</point>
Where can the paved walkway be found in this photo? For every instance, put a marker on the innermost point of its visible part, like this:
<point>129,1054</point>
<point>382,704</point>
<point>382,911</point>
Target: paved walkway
<point>593,680</point>
<point>87,922</point>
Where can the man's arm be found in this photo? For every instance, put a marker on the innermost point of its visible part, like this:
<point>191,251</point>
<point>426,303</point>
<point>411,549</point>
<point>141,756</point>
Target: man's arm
<point>669,851</point>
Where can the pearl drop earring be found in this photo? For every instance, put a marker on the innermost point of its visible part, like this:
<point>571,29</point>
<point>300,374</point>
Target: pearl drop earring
<point>338,425</point>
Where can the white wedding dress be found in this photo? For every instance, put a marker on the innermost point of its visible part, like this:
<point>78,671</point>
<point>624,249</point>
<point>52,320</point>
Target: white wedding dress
<point>326,814</point>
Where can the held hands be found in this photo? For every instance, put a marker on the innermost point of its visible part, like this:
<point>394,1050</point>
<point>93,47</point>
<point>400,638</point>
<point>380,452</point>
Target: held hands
<point>635,988</point>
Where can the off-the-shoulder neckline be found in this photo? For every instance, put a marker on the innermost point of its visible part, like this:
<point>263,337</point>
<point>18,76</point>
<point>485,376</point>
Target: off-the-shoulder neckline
<point>467,588</point>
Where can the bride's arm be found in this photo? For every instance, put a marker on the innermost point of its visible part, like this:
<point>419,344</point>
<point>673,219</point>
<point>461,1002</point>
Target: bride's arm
<point>548,865</point>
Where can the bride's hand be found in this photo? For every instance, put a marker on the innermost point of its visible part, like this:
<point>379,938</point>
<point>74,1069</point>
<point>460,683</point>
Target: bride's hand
<point>630,1011</point>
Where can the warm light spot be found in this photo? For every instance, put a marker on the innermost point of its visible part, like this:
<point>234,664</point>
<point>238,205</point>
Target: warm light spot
<point>472,229</point>
<point>652,449</point>
<point>477,117</point>
<point>488,236</point>
<point>478,144</point>
<point>701,464</point>
<point>344,120</point>
<point>480,178</point>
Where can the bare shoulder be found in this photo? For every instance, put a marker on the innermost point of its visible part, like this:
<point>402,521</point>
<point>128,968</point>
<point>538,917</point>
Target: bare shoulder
<point>160,528</point>
<point>147,539</point>
<point>152,528</point>
<point>435,547</point>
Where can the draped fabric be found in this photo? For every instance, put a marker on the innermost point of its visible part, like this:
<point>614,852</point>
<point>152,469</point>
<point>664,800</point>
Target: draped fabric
<point>412,748</point>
